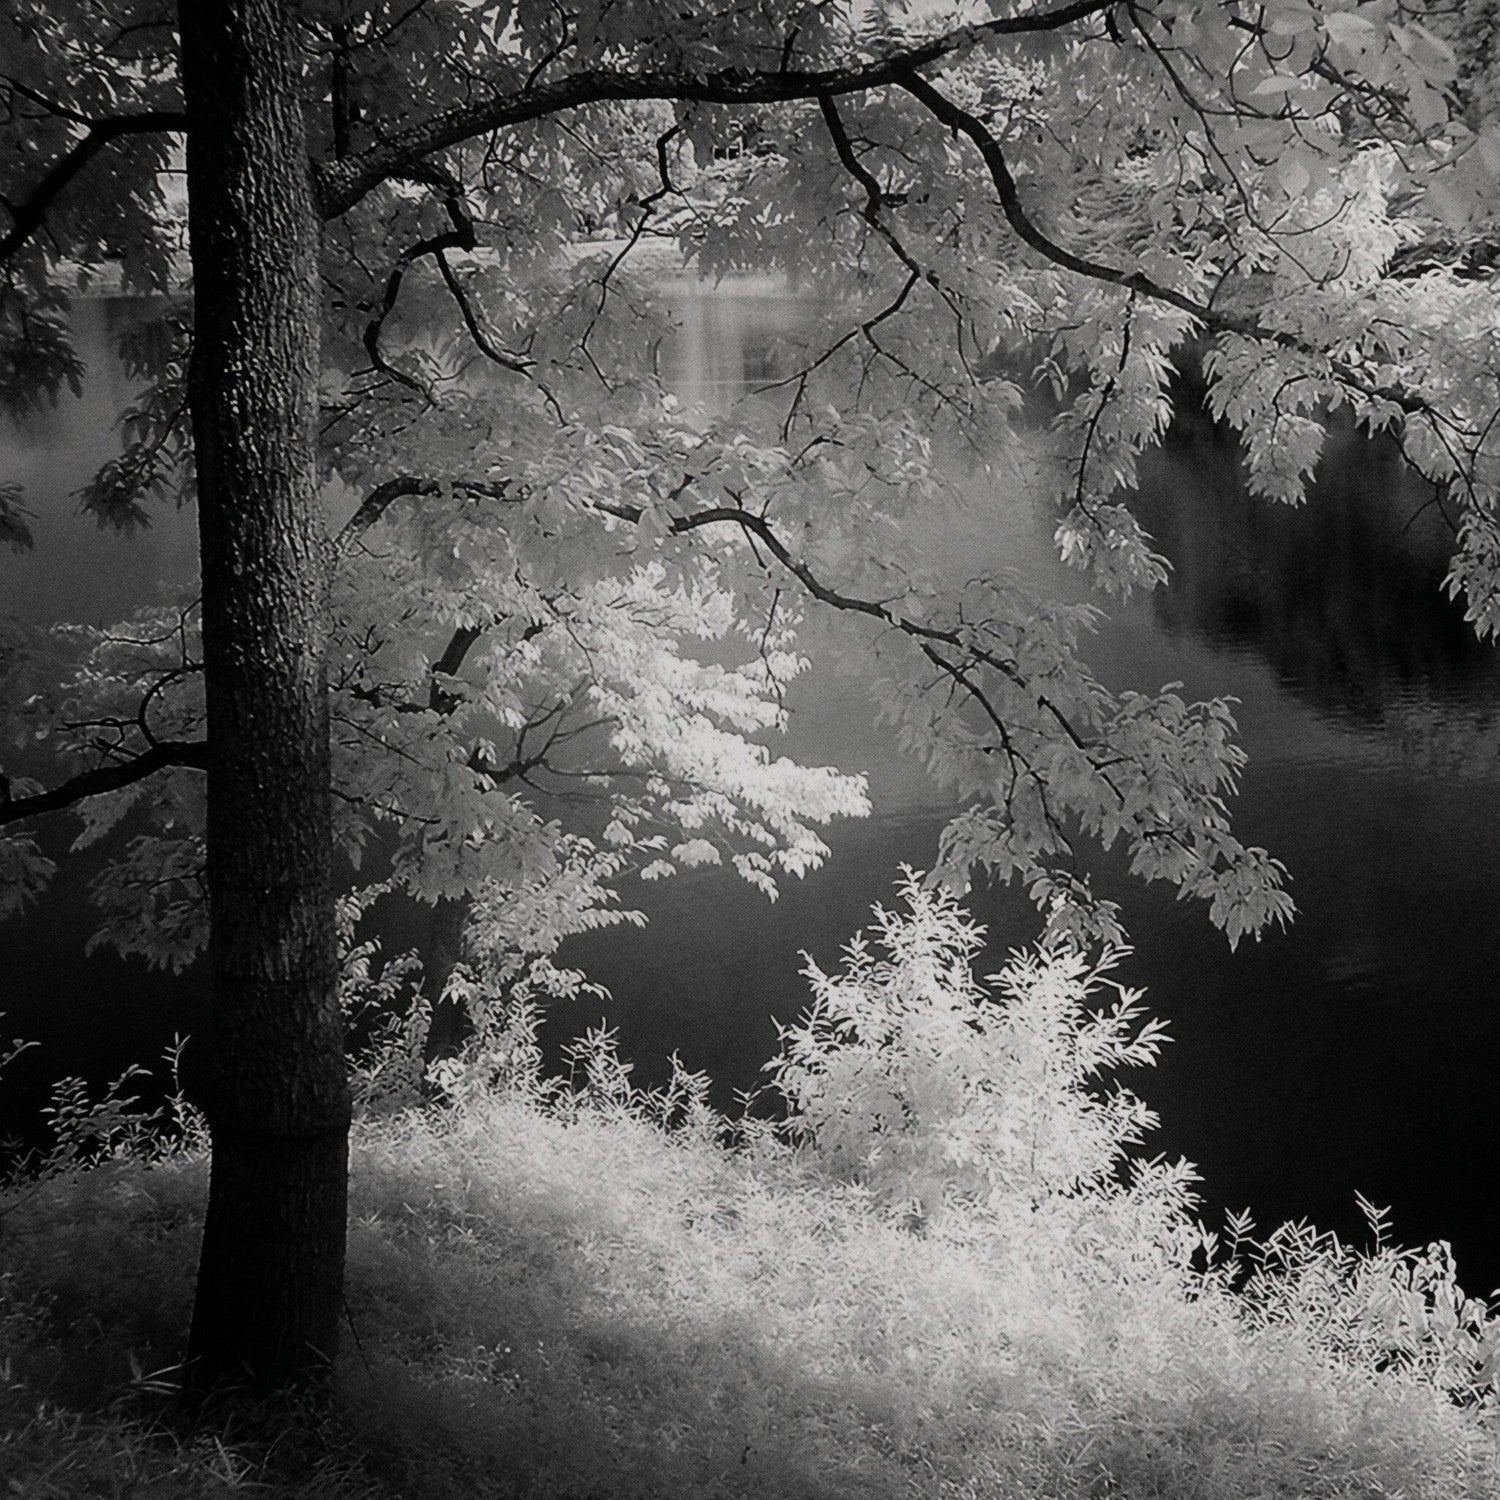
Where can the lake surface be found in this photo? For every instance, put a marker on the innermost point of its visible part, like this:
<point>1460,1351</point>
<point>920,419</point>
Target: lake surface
<point>1355,1051</point>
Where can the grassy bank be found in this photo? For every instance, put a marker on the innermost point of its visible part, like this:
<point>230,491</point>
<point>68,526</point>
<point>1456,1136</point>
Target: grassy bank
<point>551,1293</point>
<point>587,1306</point>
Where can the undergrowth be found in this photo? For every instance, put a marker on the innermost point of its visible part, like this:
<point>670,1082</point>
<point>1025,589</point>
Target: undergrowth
<point>941,1276</point>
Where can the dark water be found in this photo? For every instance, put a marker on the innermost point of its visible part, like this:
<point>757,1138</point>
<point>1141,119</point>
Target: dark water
<point>93,1015</point>
<point>1355,1051</point>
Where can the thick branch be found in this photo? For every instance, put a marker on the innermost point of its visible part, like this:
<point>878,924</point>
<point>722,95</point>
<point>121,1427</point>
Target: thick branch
<point>383,496</point>
<point>452,659</point>
<point>460,236</point>
<point>28,215</point>
<point>102,779</point>
<point>876,201</point>
<point>876,198</point>
<point>961,121</point>
<point>342,184</point>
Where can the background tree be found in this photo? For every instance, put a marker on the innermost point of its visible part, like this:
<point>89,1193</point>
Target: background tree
<point>1009,223</point>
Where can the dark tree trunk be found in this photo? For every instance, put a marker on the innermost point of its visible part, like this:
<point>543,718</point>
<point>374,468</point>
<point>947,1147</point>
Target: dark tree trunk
<point>270,1277</point>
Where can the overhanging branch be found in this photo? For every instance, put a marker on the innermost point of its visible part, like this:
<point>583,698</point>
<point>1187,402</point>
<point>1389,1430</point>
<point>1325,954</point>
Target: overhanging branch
<point>961,122</point>
<point>759,528</point>
<point>341,184</point>
<point>460,235</point>
<point>930,640</point>
<point>111,778</point>
<point>28,215</point>
<point>404,486</point>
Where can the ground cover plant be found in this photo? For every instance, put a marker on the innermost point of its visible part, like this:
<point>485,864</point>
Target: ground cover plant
<point>575,1288</point>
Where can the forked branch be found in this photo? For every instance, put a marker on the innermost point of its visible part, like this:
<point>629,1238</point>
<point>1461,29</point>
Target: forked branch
<point>341,184</point>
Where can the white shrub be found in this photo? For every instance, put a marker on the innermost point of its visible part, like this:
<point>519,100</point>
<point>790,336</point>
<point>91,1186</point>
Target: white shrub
<point>910,1076</point>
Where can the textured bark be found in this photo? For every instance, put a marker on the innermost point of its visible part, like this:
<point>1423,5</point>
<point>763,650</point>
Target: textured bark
<point>271,1271</point>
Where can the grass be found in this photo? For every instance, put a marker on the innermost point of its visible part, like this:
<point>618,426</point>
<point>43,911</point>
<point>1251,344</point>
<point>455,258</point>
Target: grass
<point>580,1304</point>
<point>944,1280</point>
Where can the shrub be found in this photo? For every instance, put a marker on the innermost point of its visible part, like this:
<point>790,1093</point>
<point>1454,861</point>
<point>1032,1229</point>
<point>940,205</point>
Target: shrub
<point>912,1077</point>
<point>1390,1309</point>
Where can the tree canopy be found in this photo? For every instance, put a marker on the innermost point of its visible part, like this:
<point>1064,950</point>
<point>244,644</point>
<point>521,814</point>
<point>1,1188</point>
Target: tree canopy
<point>561,603</point>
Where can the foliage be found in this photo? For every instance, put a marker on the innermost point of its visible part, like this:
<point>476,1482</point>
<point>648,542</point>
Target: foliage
<point>912,1078</point>
<point>1384,1308</point>
<point>560,579</point>
<point>973,1115</point>
<point>562,598</point>
<point>115,1126</point>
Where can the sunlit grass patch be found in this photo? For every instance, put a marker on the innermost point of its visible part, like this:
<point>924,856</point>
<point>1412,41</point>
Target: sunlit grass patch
<point>587,1306</point>
<point>712,1325</point>
<point>553,1294</point>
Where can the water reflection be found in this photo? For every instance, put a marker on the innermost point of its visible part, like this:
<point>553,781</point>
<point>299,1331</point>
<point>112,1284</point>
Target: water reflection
<point>1341,598</point>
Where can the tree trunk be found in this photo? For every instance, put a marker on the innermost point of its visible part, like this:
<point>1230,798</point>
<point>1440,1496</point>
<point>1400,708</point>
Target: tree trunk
<point>277,1099</point>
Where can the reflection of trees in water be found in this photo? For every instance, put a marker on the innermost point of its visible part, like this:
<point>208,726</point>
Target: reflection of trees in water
<point>1341,596</point>
<point>1444,739</point>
